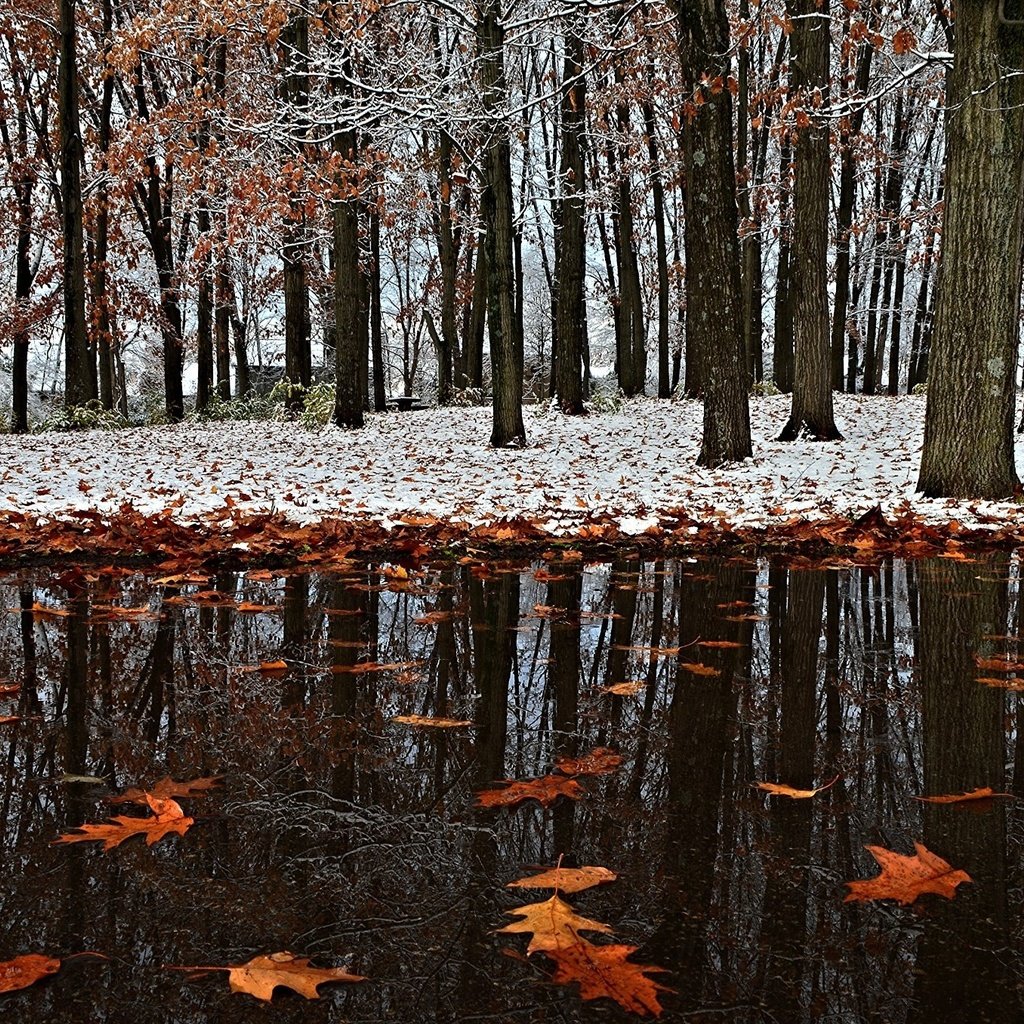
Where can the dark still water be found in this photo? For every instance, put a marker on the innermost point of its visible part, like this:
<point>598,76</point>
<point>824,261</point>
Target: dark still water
<point>344,836</point>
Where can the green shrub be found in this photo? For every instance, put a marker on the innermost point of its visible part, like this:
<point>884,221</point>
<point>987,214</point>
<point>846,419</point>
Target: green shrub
<point>319,406</point>
<point>920,389</point>
<point>248,407</point>
<point>91,416</point>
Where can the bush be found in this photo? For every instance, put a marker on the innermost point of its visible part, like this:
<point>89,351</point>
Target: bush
<point>606,397</point>
<point>319,406</point>
<point>252,406</point>
<point>920,389</point>
<point>91,416</point>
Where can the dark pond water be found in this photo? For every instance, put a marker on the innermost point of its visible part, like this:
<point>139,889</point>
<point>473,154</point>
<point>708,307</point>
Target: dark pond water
<point>342,835</point>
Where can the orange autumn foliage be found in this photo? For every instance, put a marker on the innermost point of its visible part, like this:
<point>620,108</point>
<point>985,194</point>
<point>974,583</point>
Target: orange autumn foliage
<point>905,878</point>
<point>168,819</point>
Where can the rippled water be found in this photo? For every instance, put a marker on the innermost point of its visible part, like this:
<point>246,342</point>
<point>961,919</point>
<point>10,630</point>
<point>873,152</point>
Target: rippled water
<point>342,835</point>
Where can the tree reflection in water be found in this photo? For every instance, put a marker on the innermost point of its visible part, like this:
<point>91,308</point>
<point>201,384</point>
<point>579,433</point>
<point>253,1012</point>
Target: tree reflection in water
<point>343,835</point>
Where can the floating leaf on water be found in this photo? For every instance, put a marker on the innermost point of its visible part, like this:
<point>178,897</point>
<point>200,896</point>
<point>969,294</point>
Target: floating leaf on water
<point>984,793</point>
<point>568,880</point>
<point>600,761</point>
<point>779,789</point>
<point>425,721</point>
<point>545,791</point>
<point>906,878</point>
<point>26,970</point>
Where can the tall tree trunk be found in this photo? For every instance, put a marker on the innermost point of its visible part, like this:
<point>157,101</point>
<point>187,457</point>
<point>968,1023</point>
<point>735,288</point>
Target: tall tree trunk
<point>661,251</point>
<point>506,354</point>
<point>849,128</point>
<point>968,436</point>
<point>295,93</point>
<point>348,401</point>
<point>79,370</point>
<point>380,403</point>
<point>714,303</point>
<point>225,299</point>
<point>571,242</point>
<point>811,414</point>
<point>782,354</point>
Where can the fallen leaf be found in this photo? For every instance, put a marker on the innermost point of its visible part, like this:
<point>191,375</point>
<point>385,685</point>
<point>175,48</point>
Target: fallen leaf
<point>544,790</point>
<point>723,645</point>
<point>998,664</point>
<point>273,668</point>
<point>168,818</point>
<point>600,761</point>
<point>553,924</point>
<point>168,789</point>
<point>778,789</point>
<point>262,974</point>
<point>905,878</point>
<point>568,880</point>
<point>984,793</point>
<point>605,972</point>
<point>365,667</point>
<point>26,970</point>
<point>624,689</point>
<point>425,721</point>
<point>699,669</point>
<point>8,719</point>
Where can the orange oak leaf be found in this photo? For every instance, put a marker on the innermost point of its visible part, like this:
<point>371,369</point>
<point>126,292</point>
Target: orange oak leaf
<point>697,668</point>
<point>998,664</point>
<point>545,790</point>
<point>606,972</point>
<point>168,818</point>
<point>552,923</point>
<point>1009,683</point>
<point>568,880</point>
<point>168,789</point>
<point>273,668</point>
<point>624,689</point>
<point>26,970</point>
<point>984,793</point>
<point>724,645</point>
<point>8,719</point>
<point>9,689</point>
<point>905,878</point>
<point>600,761</point>
<point>425,721</point>
<point>778,789</point>
<point>262,974</point>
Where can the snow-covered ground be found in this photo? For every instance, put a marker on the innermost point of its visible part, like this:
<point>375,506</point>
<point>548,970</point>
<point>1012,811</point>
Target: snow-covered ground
<point>628,468</point>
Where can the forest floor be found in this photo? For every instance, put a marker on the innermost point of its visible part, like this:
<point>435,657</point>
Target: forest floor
<point>429,477</point>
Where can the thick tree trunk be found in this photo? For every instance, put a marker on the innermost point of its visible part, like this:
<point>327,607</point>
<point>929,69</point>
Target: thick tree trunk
<point>661,251</point>
<point>348,405</point>
<point>714,303</point>
<point>811,414</point>
<point>506,353</point>
<point>782,353</point>
<point>448,258</point>
<point>79,371</point>
<point>968,438</point>
<point>571,253</point>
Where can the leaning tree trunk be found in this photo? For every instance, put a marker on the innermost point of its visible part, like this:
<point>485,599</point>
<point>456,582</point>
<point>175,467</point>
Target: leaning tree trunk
<point>79,375</point>
<point>714,304</point>
<point>571,257</point>
<point>968,436</point>
<point>811,413</point>
<point>496,202</point>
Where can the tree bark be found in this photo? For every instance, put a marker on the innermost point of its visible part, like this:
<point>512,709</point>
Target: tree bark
<point>79,372</point>
<point>968,438</point>
<point>811,414</point>
<point>571,242</point>
<point>506,354</point>
<point>714,303</point>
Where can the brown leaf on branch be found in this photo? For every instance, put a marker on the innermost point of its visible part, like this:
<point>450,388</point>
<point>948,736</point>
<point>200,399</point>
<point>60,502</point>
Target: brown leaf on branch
<point>168,818</point>
<point>567,880</point>
<point>26,970</point>
<point>262,974</point>
<point>168,789</point>
<point>778,789</point>
<point>905,878</point>
<point>600,761</point>
<point>984,793</point>
<point>605,972</point>
<point>553,923</point>
<point>545,791</point>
